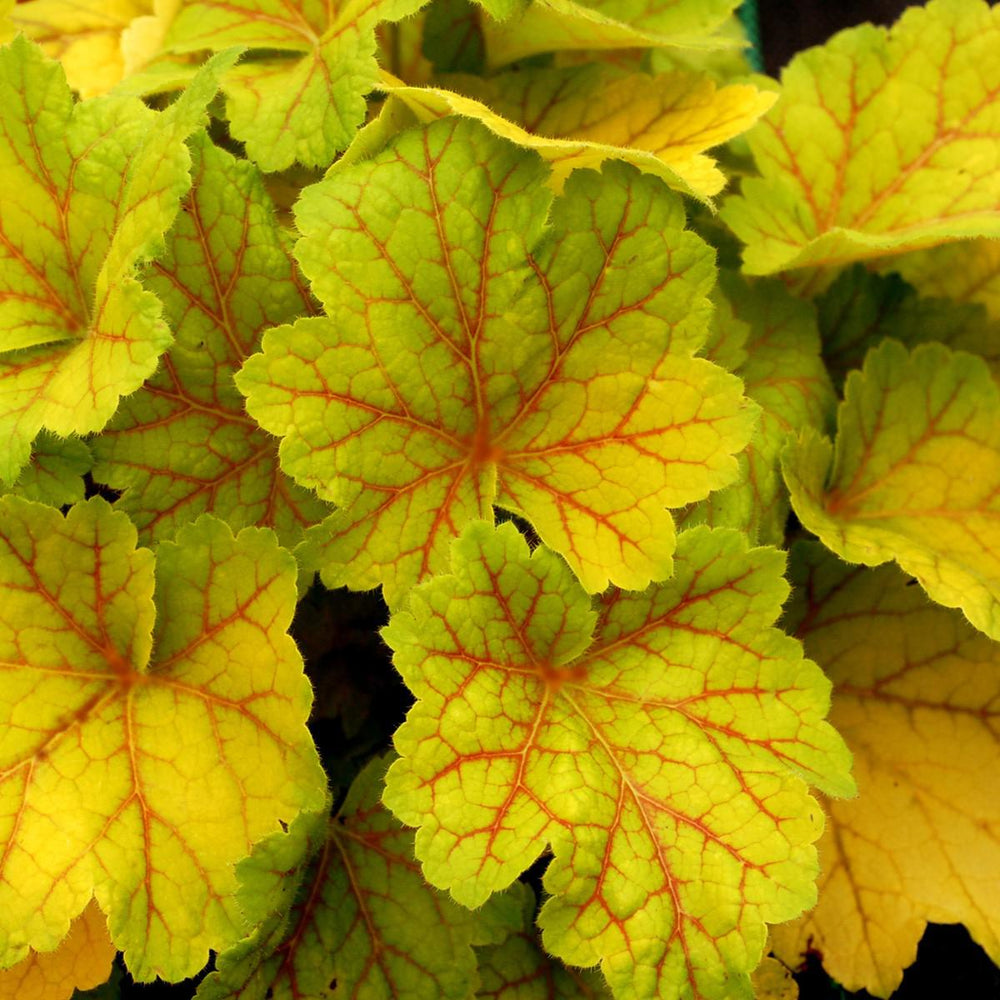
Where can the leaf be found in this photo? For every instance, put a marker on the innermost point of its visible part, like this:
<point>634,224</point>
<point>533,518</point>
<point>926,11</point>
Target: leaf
<point>480,355</point>
<point>773,981</point>
<point>582,116</point>
<point>519,969</point>
<point>81,962</point>
<point>963,272</point>
<point>84,35</point>
<point>859,310</point>
<point>183,445</point>
<point>882,142</point>
<point>914,475</point>
<point>54,476</point>
<point>302,97</point>
<point>363,917</point>
<point>552,25</point>
<point>99,184</point>
<point>664,760</point>
<point>142,780</point>
<point>919,707</point>
<point>782,371</point>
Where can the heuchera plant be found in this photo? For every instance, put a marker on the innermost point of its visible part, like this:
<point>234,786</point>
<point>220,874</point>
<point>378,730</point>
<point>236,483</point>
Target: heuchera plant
<point>451,300</point>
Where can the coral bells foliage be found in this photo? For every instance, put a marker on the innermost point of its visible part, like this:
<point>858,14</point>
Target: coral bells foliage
<point>669,456</point>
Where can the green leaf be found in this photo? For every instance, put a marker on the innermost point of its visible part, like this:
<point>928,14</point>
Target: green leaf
<point>859,310</point>
<point>664,759</point>
<point>362,915</point>
<point>54,476</point>
<point>98,185</point>
<point>477,354</point>
<point>917,697</point>
<point>137,777</point>
<point>914,475</point>
<point>302,97</point>
<point>518,968</point>
<point>183,445</point>
<point>782,371</point>
<point>882,142</point>
<point>553,25</point>
<point>581,116</point>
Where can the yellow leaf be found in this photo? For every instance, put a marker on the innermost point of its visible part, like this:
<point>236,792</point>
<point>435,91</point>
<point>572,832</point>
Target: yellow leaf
<point>920,707</point>
<point>582,117</point>
<point>772,981</point>
<point>81,962</point>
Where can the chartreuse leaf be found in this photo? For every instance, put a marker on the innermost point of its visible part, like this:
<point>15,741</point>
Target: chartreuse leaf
<point>860,309</point>
<point>183,444</point>
<point>518,968</point>
<point>98,185</point>
<point>582,116</point>
<point>84,35</point>
<point>664,759</point>
<point>781,370</point>
<point>914,475</point>
<point>553,25</point>
<point>917,697</point>
<point>54,475</point>
<point>882,141</point>
<point>964,272</point>
<point>82,961</point>
<point>303,98</point>
<point>134,776</point>
<point>362,915</point>
<point>476,354</point>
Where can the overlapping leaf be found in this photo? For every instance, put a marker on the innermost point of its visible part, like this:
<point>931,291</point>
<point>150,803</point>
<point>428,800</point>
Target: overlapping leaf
<point>920,708</point>
<point>302,97</point>
<point>914,475</point>
<point>662,759</point>
<point>859,310</point>
<point>362,915</point>
<point>582,116</point>
<point>98,184</point>
<point>782,370</point>
<point>551,25</point>
<point>183,445</point>
<point>476,354</point>
<point>142,780</point>
<point>963,272</point>
<point>54,475</point>
<point>82,961</point>
<point>882,141</point>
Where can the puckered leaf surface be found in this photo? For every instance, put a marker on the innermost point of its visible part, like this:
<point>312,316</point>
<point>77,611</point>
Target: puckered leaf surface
<point>882,141</point>
<point>98,184</point>
<point>914,475</point>
<point>183,445</point>
<point>582,116</point>
<point>302,97</point>
<point>362,915</point>
<point>775,337</point>
<point>81,962</point>
<point>142,779</point>
<point>551,25</point>
<point>920,708</point>
<point>476,354</point>
<point>860,309</point>
<point>662,759</point>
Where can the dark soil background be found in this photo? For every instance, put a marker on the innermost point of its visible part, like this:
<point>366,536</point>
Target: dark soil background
<point>360,697</point>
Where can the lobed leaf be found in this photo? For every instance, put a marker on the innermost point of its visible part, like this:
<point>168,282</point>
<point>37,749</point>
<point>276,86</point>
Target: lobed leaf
<point>476,354</point>
<point>921,710</point>
<point>302,97</point>
<point>54,476</point>
<point>136,778</point>
<point>664,760</point>
<point>914,475</point>
<point>882,142</point>
<point>582,116</point>
<point>99,184</point>
<point>183,444</point>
